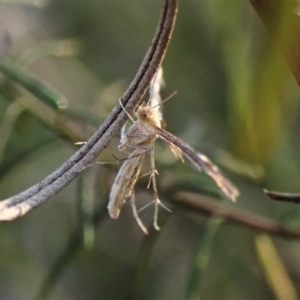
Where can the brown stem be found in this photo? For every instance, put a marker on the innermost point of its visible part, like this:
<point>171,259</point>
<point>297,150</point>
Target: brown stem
<point>285,197</point>
<point>235,214</point>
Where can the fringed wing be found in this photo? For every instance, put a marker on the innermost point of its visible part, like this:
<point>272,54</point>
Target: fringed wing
<point>174,149</point>
<point>154,91</point>
<point>201,163</point>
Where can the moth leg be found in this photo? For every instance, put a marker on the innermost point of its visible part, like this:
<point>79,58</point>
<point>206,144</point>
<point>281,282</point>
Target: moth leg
<point>153,170</point>
<point>156,200</point>
<point>160,203</point>
<point>136,214</point>
<point>144,207</point>
<point>147,149</point>
<point>137,134</point>
<point>129,157</point>
<point>146,174</point>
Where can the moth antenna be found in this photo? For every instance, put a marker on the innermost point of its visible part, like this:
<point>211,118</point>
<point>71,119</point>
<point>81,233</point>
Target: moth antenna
<point>127,113</point>
<point>165,100</point>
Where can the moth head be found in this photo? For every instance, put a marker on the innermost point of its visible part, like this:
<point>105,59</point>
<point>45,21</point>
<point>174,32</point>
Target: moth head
<point>145,113</point>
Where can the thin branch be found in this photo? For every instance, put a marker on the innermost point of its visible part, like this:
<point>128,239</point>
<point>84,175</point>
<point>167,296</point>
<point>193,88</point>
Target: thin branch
<point>285,197</point>
<point>20,204</point>
<point>236,215</point>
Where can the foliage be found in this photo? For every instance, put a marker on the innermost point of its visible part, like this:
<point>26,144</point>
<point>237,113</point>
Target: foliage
<point>237,102</point>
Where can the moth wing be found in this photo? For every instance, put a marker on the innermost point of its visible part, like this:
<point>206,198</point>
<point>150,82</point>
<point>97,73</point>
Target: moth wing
<point>124,183</point>
<point>174,149</point>
<point>154,91</point>
<point>200,162</point>
<point>123,133</point>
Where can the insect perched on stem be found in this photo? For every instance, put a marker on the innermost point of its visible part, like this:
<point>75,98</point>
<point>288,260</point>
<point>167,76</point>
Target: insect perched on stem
<point>141,136</point>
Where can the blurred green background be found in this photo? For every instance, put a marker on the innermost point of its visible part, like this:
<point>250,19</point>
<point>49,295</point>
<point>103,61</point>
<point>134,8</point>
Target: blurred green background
<point>237,102</point>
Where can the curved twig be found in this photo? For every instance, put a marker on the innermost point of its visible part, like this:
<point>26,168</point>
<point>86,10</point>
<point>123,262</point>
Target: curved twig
<point>285,197</point>
<point>236,215</point>
<point>22,203</point>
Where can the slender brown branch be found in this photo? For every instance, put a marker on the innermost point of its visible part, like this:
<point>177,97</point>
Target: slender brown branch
<point>20,204</point>
<point>285,197</point>
<point>236,215</point>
